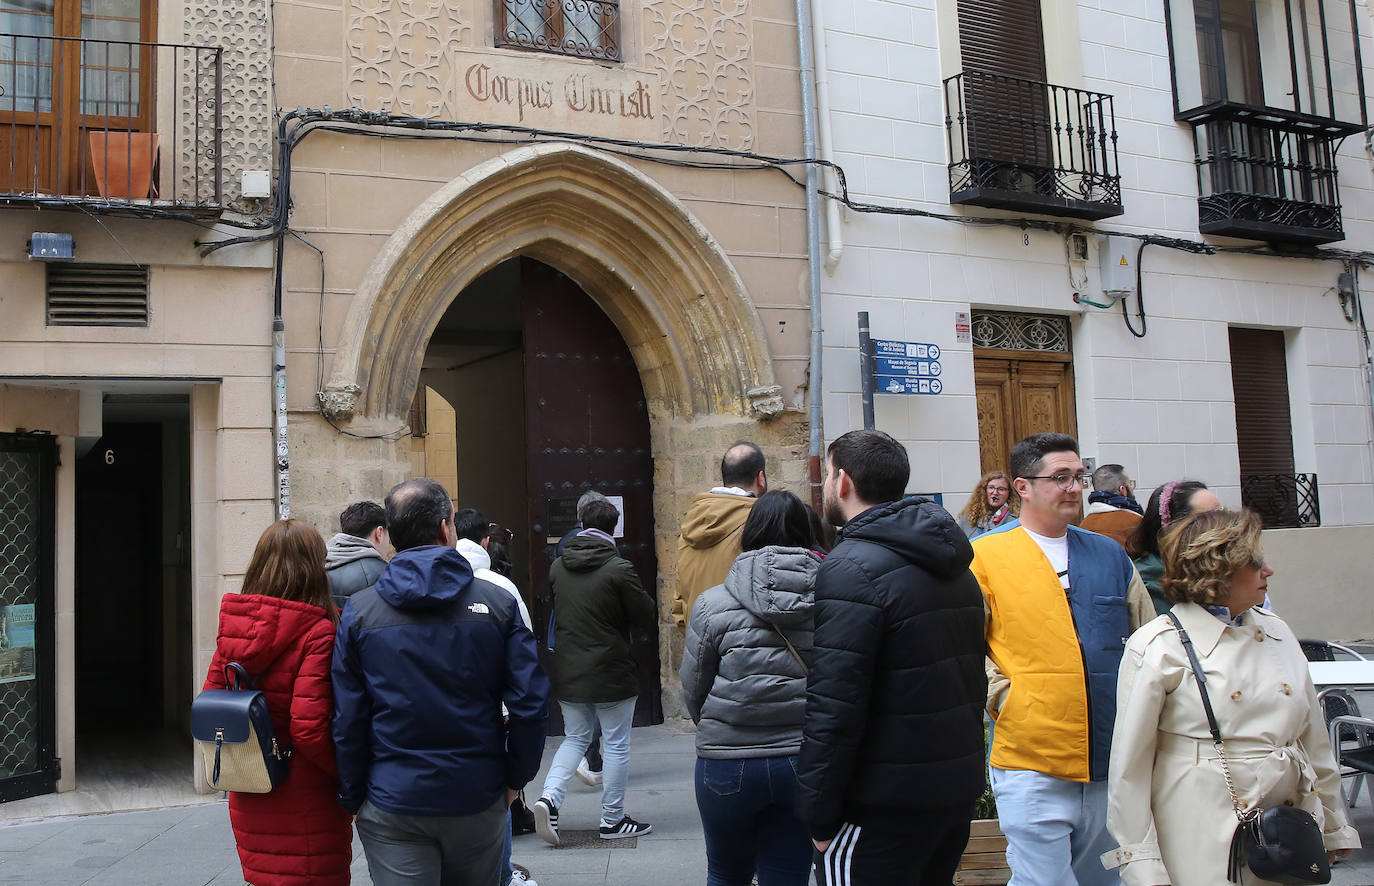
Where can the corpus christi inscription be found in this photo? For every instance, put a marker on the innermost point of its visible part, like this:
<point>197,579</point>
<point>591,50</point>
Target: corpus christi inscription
<point>577,94</point>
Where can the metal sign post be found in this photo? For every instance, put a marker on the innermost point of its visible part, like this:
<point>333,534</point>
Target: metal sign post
<point>866,369</point>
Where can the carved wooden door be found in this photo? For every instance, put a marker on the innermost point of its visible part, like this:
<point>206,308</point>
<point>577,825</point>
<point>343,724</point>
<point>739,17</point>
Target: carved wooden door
<point>587,427</point>
<point>1017,397</point>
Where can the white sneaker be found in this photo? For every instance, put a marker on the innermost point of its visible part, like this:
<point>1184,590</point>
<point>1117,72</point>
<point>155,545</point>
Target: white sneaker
<point>589,778</point>
<point>519,877</point>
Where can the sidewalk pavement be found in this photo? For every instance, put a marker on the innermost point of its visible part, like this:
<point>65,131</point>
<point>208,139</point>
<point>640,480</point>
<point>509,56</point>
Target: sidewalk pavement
<point>193,845</point>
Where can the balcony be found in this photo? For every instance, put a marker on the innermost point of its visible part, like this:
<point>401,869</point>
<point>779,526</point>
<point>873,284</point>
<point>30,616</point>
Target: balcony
<point>1264,180</point>
<point>1283,501</point>
<point>110,124</point>
<point>1033,147</point>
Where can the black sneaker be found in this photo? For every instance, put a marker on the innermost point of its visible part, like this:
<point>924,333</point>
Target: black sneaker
<point>627,827</point>
<point>546,820</point>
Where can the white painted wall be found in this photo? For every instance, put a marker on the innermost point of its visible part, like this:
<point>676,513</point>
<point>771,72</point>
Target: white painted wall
<point>1161,405</point>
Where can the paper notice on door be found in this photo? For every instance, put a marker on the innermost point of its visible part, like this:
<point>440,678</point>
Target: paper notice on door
<point>619,502</point>
<point>18,657</point>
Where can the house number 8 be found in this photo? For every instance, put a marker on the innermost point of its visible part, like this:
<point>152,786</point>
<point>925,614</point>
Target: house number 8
<point>109,456</point>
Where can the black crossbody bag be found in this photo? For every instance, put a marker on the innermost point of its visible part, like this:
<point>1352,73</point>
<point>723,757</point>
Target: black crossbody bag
<point>1282,844</point>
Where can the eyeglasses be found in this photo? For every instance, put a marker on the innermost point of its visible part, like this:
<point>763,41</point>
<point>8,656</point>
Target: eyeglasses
<point>1065,481</point>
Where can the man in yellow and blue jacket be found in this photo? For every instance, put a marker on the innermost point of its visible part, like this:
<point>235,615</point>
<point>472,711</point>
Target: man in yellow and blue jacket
<point>1060,603</point>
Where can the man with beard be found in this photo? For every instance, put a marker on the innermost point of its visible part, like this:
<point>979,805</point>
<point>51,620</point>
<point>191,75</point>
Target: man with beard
<point>892,750</point>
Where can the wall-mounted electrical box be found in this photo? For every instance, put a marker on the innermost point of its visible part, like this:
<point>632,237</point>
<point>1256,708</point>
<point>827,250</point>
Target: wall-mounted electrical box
<point>256,183</point>
<point>1117,256</point>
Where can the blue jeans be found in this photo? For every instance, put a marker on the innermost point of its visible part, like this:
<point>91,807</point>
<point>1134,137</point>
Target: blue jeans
<point>747,813</point>
<point>1056,830</point>
<point>505,855</point>
<point>579,722</point>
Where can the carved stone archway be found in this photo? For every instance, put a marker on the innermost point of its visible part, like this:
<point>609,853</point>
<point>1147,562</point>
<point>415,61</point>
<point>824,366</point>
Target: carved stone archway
<point>635,249</point>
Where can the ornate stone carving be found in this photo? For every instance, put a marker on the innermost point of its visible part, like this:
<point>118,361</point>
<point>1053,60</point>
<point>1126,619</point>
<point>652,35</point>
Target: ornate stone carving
<point>242,29</point>
<point>702,51</point>
<point>401,55</point>
<point>766,402</point>
<point>340,401</point>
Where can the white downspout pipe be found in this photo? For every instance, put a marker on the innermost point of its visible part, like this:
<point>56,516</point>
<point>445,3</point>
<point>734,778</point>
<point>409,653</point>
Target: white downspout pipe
<point>825,144</point>
<point>805,43</point>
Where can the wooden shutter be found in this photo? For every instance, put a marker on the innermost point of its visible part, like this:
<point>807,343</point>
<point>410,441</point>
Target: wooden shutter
<point>1002,37</point>
<point>1259,377</point>
<point>1007,120</point>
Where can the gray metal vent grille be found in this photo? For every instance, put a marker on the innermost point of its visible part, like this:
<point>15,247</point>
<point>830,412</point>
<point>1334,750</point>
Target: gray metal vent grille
<point>97,295</point>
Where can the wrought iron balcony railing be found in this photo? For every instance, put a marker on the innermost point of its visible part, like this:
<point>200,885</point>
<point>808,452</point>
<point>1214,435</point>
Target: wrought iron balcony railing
<point>1025,145</point>
<point>115,123</point>
<point>1282,500</point>
<point>583,28</point>
<point>1263,179</point>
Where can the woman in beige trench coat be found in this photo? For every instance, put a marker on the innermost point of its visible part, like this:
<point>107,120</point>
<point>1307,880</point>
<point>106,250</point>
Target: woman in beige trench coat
<point>1168,806</point>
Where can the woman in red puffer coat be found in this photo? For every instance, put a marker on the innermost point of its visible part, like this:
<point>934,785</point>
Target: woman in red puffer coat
<point>281,629</point>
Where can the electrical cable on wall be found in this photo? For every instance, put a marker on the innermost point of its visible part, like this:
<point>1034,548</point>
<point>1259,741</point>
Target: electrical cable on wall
<point>295,126</point>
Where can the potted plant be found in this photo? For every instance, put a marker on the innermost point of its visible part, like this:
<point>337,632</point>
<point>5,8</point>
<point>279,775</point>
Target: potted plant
<point>984,862</point>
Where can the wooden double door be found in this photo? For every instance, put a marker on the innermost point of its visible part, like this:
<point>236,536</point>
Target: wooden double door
<point>1020,394</point>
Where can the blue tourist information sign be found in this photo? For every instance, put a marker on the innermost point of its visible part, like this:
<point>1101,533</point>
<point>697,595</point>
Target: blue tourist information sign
<point>906,367</point>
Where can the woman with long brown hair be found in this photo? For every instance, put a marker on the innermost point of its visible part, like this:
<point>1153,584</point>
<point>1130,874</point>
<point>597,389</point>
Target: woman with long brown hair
<point>280,628</point>
<point>992,503</point>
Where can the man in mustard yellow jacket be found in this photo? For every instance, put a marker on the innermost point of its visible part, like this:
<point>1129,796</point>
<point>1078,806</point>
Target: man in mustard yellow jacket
<point>1061,603</point>
<point>715,521</point>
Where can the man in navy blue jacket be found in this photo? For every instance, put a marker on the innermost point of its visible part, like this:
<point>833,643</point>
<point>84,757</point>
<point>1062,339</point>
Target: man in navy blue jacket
<point>423,662</point>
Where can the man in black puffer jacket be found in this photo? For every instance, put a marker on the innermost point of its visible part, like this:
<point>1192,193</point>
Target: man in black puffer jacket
<point>892,751</point>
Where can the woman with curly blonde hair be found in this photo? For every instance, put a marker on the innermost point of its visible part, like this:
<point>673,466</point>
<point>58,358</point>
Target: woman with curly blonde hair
<point>1169,807</point>
<point>992,503</point>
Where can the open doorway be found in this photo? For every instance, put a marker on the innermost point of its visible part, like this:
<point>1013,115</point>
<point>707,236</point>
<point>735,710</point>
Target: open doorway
<point>548,404</point>
<point>133,596</point>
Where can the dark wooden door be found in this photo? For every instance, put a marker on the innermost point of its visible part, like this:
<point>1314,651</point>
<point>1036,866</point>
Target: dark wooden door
<point>119,580</point>
<point>587,427</point>
<point>1018,397</point>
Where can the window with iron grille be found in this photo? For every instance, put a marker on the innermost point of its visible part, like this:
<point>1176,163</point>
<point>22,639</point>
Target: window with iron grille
<point>97,295</point>
<point>582,28</point>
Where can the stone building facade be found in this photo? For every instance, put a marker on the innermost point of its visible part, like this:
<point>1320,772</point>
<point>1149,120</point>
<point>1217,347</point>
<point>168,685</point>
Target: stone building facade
<point>1010,305</point>
<point>411,252</point>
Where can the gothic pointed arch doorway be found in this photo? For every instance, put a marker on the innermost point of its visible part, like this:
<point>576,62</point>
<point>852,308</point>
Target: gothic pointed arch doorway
<point>547,404</point>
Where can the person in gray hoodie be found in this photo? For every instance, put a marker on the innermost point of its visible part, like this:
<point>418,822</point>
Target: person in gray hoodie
<point>744,683</point>
<point>353,558</point>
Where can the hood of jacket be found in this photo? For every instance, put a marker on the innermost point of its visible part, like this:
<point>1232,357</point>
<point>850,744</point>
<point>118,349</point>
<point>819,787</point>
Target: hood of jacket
<point>475,554</point>
<point>918,530</point>
<point>776,584</point>
<point>713,516</point>
<point>254,630</point>
<point>425,577</point>
<point>585,553</point>
<point>344,548</point>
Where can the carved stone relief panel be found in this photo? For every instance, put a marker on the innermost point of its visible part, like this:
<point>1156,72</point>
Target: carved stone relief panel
<point>242,29</point>
<point>702,51</point>
<point>403,55</point>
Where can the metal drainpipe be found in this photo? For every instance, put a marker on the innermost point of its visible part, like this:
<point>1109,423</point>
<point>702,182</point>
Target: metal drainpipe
<point>825,142</point>
<point>813,241</point>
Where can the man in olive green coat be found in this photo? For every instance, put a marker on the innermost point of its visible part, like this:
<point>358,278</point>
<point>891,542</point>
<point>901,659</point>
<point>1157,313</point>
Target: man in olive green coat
<point>598,601</point>
<point>714,523</point>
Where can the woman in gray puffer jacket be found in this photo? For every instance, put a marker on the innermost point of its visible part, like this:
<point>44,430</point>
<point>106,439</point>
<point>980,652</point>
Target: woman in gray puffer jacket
<point>744,683</point>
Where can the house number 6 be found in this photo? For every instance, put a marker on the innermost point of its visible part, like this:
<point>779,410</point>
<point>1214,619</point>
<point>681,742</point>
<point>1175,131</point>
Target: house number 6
<point>109,456</point>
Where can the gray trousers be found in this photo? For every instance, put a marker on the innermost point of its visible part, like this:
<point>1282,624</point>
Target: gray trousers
<point>460,850</point>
